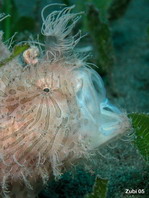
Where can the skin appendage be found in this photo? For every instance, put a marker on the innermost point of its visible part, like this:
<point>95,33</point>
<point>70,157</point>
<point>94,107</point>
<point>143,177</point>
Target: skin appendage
<point>53,112</point>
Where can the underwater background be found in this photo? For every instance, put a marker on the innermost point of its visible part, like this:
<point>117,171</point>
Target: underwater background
<point>118,43</point>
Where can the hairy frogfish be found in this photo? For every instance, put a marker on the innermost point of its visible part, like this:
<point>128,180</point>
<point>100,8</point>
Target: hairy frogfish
<point>53,109</point>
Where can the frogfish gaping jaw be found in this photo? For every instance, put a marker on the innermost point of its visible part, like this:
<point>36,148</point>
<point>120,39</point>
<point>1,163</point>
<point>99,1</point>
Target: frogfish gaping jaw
<point>53,111</point>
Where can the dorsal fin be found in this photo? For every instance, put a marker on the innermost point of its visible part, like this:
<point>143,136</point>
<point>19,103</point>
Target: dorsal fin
<point>57,28</point>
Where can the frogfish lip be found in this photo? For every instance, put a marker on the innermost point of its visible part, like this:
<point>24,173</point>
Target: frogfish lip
<point>113,122</point>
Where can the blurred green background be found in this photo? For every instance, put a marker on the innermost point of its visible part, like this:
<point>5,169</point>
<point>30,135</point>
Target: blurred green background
<point>118,43</point>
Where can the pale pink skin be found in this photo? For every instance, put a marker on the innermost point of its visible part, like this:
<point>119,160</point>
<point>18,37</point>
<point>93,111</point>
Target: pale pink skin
<point>53,112</point>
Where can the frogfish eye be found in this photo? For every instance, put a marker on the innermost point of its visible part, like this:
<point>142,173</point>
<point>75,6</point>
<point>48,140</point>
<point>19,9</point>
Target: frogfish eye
<point>46,89</point>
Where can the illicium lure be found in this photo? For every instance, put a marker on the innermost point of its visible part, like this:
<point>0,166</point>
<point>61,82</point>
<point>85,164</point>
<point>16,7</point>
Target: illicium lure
<point>53,111</point>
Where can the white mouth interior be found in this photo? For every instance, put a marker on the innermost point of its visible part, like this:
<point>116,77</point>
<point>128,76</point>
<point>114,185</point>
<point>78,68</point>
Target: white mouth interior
<point>105,120</point>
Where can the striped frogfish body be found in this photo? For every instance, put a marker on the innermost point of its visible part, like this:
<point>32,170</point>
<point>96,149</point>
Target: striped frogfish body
<point>53,111</point>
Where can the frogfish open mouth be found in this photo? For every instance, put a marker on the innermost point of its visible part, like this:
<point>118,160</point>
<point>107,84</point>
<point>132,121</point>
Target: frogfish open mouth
<point>53,111</point>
